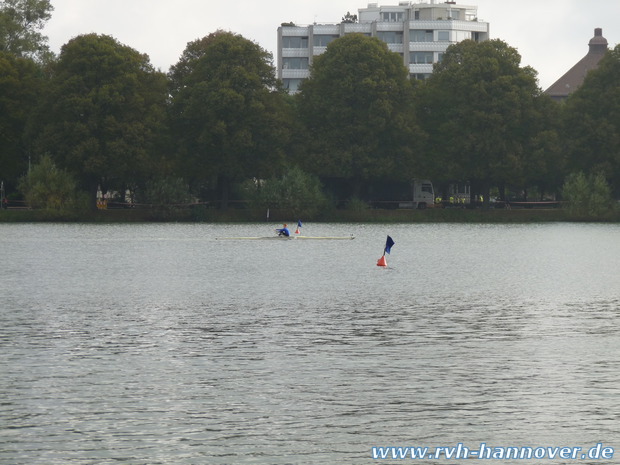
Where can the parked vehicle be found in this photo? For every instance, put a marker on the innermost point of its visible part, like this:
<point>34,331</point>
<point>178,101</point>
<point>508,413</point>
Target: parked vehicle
<point>423,195</point>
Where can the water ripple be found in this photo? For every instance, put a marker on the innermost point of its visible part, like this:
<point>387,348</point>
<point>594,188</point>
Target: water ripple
<point>180,350</point>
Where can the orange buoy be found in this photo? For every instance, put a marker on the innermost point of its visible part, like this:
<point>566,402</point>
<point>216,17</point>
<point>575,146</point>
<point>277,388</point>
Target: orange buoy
<point>382,261</point>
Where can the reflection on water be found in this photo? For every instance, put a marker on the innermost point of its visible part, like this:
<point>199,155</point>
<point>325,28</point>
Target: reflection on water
<point>159,344</point>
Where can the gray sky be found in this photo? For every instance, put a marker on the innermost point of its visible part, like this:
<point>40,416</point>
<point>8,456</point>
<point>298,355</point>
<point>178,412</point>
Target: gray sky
<point>550,35</point>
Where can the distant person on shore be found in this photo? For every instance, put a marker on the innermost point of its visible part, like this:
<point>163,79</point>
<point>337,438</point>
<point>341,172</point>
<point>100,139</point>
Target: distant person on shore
<point>283,231</point>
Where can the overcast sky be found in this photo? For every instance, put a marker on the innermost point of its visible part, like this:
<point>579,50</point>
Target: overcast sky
<point>550,35</point>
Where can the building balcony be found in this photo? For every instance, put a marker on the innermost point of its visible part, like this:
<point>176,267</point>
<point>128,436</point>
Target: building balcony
<point>429,46</point>
<point>450,25</point>
<point>326,29</point>
<point>295,73</point>
<point>294,31</point>
<point>294,52</point>
<point>350,28</point>
<point>420,69</point>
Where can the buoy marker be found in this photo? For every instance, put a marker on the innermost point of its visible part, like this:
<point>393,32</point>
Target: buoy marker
<point>388,247</point>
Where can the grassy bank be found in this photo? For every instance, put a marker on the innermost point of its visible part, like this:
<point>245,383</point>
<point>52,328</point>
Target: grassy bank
<point>245,215</point>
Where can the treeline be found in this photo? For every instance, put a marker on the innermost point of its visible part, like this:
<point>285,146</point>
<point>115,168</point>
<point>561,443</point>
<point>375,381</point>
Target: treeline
<point>219,127</point>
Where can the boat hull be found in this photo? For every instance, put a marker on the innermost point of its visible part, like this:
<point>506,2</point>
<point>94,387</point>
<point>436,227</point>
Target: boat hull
<point>289,238</point>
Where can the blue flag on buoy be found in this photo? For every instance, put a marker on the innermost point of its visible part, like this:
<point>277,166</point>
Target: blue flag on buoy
<point>388,246</point>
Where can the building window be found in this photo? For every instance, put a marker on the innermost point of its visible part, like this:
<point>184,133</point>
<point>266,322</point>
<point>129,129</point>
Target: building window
<point>323,40</point>
<point>454,14</point>
<point>294,42</point>
<point>421,58</point>
<point>392,17</point>
<point>292,85</point>
<point>443,36</point>
<point>420,36</point>
<point>391,37</point>
<point>420,76</point>
<point>295,63</point>
<point>462,35</point>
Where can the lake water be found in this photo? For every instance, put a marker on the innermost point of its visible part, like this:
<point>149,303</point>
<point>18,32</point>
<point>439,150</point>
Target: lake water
<point>159,344</point>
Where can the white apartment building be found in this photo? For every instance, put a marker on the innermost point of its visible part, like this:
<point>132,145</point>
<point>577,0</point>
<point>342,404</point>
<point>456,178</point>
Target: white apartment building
<point>419,32</point>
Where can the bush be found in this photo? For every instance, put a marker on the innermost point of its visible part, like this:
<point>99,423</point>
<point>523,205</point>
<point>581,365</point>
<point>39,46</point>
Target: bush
<point>355,204</point>
<point>48,187</point>
<point>588,197</point>
<point>168,197</point>
<point>296,192</point>
<point>167,192</point>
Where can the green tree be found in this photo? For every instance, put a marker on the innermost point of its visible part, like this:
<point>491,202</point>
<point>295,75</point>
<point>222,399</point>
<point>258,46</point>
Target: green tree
<point>357,111</point>
<point>479,107</point>
<point>228,113</point>
<point>21,84</point>
<point>544,158</point>
<point>104,113</point>
<point>295,191</point>
<point>592,121</point>
<point>168,191</point>
<point>349,18</point>
<point>168,196</point>
<point>588,197</point>
<point>20,24</point>
<point>49,187</point>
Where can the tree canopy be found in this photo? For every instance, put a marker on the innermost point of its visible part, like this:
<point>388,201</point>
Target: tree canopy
<point>103,113</point>
<point>361,124</point>
<point>20,24</point>
<point>356,108</point>
<point>592,121</point>
<point>20,89</point>
<point>227,111</point>
<point>479,107</point>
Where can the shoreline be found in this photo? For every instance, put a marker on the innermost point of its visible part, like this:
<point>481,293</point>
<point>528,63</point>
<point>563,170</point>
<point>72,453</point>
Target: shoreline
<point>435,215</point>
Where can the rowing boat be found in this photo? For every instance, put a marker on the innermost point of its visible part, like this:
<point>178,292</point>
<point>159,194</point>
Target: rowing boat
<point>288,238</point>
<point>326,237</point>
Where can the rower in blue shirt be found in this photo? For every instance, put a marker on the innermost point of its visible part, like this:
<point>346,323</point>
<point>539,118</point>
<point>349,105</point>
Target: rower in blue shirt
<point>283,231</point>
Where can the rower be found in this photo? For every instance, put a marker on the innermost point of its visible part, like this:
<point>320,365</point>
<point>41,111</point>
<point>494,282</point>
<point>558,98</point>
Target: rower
<point>283,231</point>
